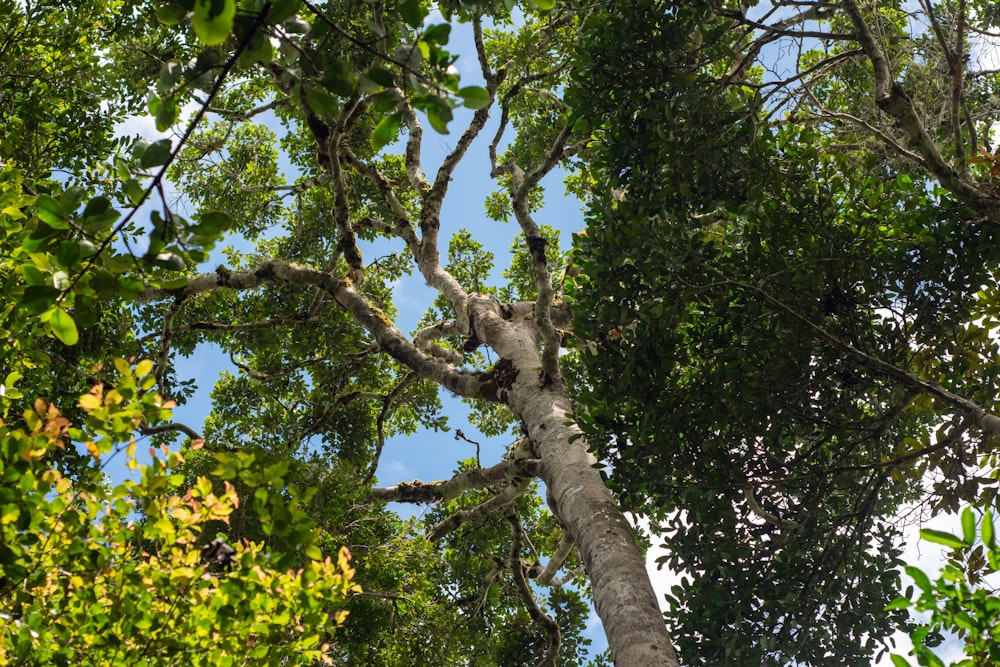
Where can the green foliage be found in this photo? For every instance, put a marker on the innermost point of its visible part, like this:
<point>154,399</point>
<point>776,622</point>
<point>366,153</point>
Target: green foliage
<point>741,284</point>
<point>55,110</point>
<point>84,578</point>
<point>957,602</point>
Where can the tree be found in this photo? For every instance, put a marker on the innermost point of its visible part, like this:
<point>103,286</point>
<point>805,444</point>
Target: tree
<point>787,274</point>
<point>798,344</point>
<point>345,80</point>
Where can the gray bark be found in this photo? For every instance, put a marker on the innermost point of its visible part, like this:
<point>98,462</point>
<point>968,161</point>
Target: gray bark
<point>623,595</point>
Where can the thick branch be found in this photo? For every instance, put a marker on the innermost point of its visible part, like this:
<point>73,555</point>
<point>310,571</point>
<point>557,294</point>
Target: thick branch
<point>563,549</point>
<point>413,144</point>
<point>425,338</point>
<point>347,296</point>
<point>517,488</point>
<point>522,186</point>
<point>429,257</point>
<point>446,489</point>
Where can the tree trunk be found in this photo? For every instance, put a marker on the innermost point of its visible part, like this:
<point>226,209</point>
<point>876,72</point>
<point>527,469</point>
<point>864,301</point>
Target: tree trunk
<point>623,595</point>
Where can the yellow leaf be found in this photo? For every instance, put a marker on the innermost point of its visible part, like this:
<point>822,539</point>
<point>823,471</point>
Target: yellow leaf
<point>90,402</point>
<point>144,367</point>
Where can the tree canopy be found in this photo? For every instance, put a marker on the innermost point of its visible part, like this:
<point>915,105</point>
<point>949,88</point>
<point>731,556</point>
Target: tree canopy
<point>774,341</point>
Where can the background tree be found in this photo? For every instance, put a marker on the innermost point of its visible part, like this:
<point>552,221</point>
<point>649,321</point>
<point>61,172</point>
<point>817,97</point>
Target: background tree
<point>788,262</point>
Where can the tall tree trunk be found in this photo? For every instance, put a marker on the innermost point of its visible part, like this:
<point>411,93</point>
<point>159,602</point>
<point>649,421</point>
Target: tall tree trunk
<point>623,595</point>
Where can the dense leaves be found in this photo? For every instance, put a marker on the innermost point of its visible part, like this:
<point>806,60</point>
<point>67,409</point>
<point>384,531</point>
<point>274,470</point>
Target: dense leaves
<point>127,573</point>
<point>746,284</point>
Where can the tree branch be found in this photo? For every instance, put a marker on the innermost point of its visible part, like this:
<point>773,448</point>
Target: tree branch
<point>425,337</point>
<point>388,401</point>
<point>414,142</point>
<point>171,426</point>
<point>433,492</point>
<point>550,627</point>
<point>891,98</point>
<point>986,421</point>
<point>517,488</point>
<point>563,549</point>
<point>390,340</point>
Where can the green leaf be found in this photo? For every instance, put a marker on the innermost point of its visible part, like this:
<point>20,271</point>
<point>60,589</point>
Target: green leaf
<point>171,14</point>
<point>339,78</point>
<point>899,603</point>
<point>918,576</point>
<point>213,20</point>
<point>72,197</point>
<point>381,76</point>
<point>155,154</point>
<point>214,222</point>
<point>474,97</point>
<point>170,73</point>
<point>438,34</point>
<point>413,12</point>
<point>51,212</point>
<point>386,101</point>
<point>37,298</point>
<point>96,206</point>
<point>32,276</point>
<point>98,218</point>
<point>321,102</point>
<point>133,190</point>
<point>385,131</point>
<point>68,253</point>
<point>968,526</point>
<point>64,327</point>
<point>282,9</point>
<point>260,50</point>
<point>39,238</point>
<point>167,113</point>
<point>439,115</point>
<point>898,660</point>
<point>544,5</point>
<point>941,537</point>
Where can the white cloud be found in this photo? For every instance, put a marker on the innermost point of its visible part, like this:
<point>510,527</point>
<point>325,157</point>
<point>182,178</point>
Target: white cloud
<point>394,469</point>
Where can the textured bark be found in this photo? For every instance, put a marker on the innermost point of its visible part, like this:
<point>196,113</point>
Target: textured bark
<point>623,595</point>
